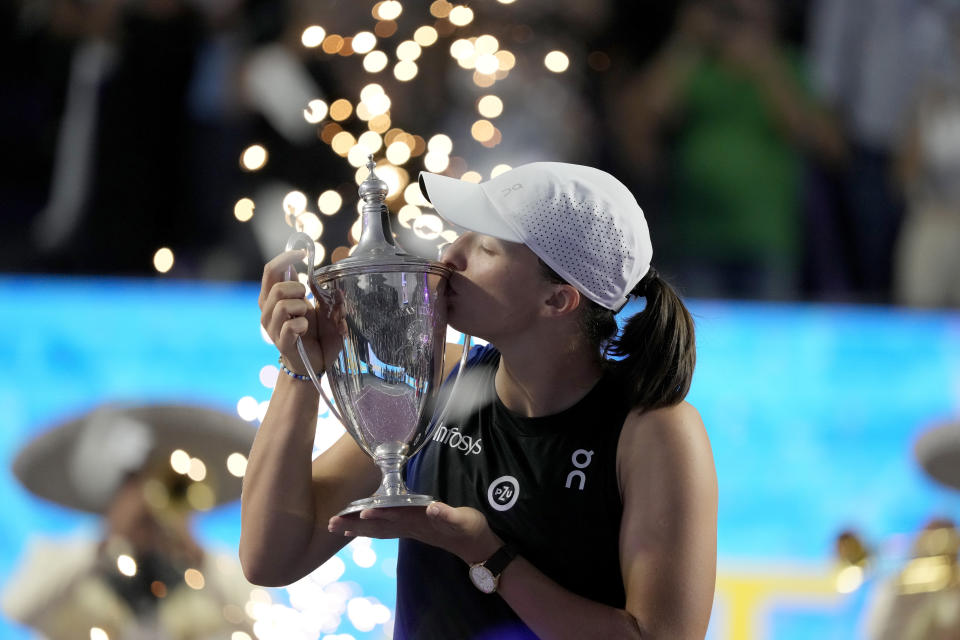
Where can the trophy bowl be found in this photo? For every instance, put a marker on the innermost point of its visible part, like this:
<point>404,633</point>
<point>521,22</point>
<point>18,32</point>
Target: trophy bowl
<point>388,370</point>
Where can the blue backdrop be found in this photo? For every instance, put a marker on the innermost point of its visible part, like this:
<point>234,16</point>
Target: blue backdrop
<point>812,411</point>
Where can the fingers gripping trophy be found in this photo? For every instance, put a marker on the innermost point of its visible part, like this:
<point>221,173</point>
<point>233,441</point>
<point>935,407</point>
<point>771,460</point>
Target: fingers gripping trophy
<point>392,312</point>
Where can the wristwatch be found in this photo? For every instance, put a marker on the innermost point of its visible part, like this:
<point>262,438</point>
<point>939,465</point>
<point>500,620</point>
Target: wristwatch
<point>486,575</point>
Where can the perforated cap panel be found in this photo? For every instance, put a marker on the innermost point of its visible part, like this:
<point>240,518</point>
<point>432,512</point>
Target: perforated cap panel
<point>579,241</point>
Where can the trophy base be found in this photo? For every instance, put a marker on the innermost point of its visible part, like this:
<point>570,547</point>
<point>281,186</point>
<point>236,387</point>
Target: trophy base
<point>383,502</point>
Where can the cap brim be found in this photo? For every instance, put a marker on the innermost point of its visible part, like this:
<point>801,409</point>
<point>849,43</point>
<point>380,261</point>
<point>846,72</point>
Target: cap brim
<point>41,466</point>
<point>466,205</point>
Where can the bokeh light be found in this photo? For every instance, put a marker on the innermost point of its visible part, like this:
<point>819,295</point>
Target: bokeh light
<point>385,28</point>
<point>405,70</point>
<point>440,143</point>
<point>294,203</point>
<point>253,157</point>
<point>243,209</point>
<point>329,202</point>
<point>436,162</point>
<point>375,61</point>
<point>408,50</point>
<point>194,579</point>
<point>487,64</point>
<point>490,106</point>
<point>461,15</point>
<point>126,565</point>
<point>371,140</point>
<point>342,143</point>
<point>506,59</point>
<point>412,194</point>
<point>425,36</point>
<point>246,409</point>
<point>389,10</point>
<point>341,109</point>
<point>197,471</point>
<point>237,464</point>
<point>486,44</point>
<point>407,214</point>
<point>556,61</point>
<point>398,152</point>
<point>332,44</point>
<point>310,224</point>
<point>316,111</point>
<point>364,42</point>
<point>462,49</point>
<point>313,36</point>
<point>440,9</point>
<point>482,130</point>
<point>180,461</point>
<point>163,259</point>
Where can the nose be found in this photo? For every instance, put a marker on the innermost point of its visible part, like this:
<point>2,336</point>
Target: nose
<point>453,254</point>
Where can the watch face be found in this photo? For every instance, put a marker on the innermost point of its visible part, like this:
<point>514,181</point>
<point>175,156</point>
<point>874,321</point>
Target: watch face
<point>483,579</point>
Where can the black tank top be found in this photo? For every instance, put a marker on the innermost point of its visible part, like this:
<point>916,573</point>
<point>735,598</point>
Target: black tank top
<point>547,485</point>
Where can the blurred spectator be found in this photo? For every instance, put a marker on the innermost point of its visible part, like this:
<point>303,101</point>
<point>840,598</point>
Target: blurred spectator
<point>922,601</point>
<point>928,254</point>
<point>733,100</point>
<point>146,577</point>
<point>122,166</point>
<point>868,58</point>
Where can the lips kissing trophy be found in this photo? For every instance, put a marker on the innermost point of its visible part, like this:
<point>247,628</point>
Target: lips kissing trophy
<point>387,374</point>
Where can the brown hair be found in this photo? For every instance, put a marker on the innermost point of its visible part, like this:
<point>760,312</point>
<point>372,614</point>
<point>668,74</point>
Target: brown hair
<point>655,354</point>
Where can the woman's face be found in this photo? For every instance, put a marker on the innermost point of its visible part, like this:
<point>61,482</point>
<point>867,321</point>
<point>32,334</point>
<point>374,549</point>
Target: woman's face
<point>497,288</point>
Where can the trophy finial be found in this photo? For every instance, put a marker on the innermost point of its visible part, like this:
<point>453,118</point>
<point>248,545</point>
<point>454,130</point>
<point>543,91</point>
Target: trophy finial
<point>373,189</point>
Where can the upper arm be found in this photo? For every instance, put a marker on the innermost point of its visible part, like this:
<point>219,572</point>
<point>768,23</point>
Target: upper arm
<point>668,535</point>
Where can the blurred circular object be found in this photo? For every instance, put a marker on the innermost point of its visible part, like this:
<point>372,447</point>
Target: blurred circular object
<point>80,462</point>
<point>938,452</point>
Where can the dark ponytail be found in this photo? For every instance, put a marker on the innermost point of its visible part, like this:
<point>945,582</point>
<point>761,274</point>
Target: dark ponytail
<point>656,352</point>
<point>657,349</point>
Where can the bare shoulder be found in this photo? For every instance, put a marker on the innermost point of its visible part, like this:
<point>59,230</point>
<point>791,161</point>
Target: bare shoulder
<point>670,442</point>
<point>669,427</point>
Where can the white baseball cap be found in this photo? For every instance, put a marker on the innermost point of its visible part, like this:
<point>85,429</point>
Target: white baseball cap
<point>582,222</point>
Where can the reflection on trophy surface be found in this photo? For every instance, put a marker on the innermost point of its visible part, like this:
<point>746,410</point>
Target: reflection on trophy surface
<point>385,378</point>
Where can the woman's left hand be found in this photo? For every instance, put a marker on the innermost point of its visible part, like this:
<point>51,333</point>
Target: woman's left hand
<point>463,531</point>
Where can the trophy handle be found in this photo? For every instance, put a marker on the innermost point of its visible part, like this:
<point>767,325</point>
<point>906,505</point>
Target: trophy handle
<point>301,238</point>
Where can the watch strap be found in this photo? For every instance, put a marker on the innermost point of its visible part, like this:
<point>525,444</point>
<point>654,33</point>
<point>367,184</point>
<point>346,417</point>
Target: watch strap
<point>500,559</point>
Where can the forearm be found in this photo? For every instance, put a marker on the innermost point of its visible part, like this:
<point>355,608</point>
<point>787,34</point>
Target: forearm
<point>553,612</point>
<point>277,506</point>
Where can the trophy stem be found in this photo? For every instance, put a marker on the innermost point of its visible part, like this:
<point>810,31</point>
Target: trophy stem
<point>393,491</point>
<point>392,483</point>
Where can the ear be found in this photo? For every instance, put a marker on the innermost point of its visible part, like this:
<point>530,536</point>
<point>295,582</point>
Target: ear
<point>563,300</point>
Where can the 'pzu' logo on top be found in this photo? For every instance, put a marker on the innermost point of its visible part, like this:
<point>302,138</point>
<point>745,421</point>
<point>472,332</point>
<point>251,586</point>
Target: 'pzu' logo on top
<point>503,493</point>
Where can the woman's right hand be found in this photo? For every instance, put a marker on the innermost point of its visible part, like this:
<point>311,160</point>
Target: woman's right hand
<point>286,314</point>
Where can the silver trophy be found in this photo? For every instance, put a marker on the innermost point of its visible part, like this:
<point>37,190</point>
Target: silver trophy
<point>387,374</point>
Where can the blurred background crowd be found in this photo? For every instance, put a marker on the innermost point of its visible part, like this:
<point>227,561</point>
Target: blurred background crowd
<point>781,149</point>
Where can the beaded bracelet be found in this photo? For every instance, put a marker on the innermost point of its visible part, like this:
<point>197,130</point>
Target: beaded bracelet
<point>292,374</point>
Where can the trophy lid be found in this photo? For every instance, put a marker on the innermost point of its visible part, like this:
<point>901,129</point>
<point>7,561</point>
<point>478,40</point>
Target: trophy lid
<point>377,251</point>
